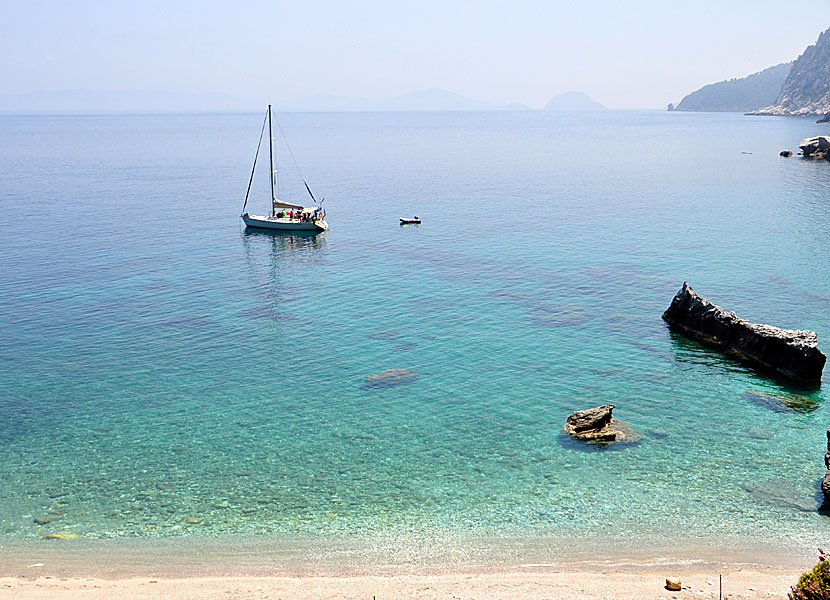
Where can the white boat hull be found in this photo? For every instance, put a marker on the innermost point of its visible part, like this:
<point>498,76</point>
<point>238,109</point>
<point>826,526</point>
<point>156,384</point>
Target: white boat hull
<point>283,223</point>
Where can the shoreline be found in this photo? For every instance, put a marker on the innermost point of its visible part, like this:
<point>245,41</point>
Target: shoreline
<point>193,557</point>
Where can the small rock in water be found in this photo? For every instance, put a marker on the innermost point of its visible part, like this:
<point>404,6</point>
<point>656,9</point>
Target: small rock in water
<point>786,153</point>
<point>194,520</point>
<point>673,584</point>
<point>597,425</point>
<point>62,535</point>
<point>390,378</point>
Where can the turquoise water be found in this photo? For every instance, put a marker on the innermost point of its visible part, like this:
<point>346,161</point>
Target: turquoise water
<point>165,373</point>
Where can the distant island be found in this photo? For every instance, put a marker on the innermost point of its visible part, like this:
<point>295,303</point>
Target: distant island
<point>432,99</point>
<point>738,95</point>
<point>799,88</point>
<point>573,101</point>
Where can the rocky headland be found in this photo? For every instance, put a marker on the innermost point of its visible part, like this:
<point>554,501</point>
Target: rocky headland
<point>745,94</point>
<point>806,90</point>
<point>792,353</point>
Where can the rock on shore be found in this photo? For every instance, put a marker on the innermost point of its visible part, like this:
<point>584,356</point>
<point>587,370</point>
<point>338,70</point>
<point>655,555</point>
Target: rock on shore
<point>792,353</point>
<point>597,425</point>
<point>816,147</point>
<point>825,483</point>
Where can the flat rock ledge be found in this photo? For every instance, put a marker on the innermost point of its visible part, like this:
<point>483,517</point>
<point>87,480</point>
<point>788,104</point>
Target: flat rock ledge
<point>792,353</point>
<point>825,483</point>
<point>599,426</point>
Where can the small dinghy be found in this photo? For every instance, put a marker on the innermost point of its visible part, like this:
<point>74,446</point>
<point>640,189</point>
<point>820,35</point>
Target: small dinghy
<point>410,220</point>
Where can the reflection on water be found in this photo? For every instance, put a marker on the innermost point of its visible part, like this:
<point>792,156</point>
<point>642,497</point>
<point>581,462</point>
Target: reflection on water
<point>282,241</point>
<point>696,353</point>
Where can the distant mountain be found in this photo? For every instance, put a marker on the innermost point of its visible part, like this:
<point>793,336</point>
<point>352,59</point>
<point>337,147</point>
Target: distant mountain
<point>572,101</point>
<point>160,101</point>
<point>435,99</point>
<point>806,91</point>
<point>738,95</point>
<point>516,106</point>
<point>113,101</point>
<point>432,99</point>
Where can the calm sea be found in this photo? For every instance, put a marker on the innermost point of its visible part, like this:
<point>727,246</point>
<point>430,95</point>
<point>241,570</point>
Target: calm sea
<point>164,373</point>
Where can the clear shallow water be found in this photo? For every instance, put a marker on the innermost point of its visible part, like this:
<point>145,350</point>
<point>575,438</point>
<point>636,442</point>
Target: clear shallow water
<point>164,373</point>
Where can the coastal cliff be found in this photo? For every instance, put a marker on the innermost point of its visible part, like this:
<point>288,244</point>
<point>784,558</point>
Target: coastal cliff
<point>806,90</point>
<point>738,95</point>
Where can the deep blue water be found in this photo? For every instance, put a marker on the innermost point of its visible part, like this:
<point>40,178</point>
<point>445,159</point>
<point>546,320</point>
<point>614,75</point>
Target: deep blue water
<point>164,372</point>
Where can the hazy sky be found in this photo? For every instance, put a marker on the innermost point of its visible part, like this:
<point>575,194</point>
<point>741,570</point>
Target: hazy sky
<point>623,54</point>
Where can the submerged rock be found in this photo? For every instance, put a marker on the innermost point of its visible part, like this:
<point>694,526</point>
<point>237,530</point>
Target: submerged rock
<point>62,535</point>
<point>792,353</point>
<point>385,335</point>
<point>779,492</point>
<point>597,425</point>
<point>390,378</point>
<point>782,402</point>
<point>50,518</point>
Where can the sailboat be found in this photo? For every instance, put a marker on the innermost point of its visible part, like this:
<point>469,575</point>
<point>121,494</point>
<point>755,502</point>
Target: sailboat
<point>284,216</point>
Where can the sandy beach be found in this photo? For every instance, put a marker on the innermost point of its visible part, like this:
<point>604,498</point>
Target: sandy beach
<point>471,570</point>
<point>608,585</point>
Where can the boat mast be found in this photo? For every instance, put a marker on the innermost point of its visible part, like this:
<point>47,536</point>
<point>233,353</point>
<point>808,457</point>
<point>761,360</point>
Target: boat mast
<point>271,157</point>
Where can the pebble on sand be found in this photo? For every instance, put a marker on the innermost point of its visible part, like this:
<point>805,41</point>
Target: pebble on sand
<point>673,584</point>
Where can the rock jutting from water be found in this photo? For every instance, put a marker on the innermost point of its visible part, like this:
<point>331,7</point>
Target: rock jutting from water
<point>598,425</point>
<point>825,483</point>
<point>815,147</point>
<point>792,353</point>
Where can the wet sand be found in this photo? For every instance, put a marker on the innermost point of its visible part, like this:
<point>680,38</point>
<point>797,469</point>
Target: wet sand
<point>464,569</point>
